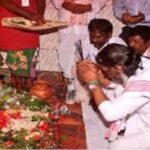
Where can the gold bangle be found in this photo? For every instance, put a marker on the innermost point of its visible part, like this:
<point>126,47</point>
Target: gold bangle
<point>93,84</point>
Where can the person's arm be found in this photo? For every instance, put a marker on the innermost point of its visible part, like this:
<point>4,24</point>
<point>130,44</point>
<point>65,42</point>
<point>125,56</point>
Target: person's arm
<point>118,9</point>
<point>122,105</point>
<point>128,19</point>
<point>77,8</point>
<point>40,5</point>
<point>11,6</point>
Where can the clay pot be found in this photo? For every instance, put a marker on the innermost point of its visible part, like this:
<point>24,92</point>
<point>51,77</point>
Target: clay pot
<point>41,89</point>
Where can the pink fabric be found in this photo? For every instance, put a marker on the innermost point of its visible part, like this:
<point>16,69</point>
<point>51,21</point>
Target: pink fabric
<point>140,85</point>
<point>113,129</point>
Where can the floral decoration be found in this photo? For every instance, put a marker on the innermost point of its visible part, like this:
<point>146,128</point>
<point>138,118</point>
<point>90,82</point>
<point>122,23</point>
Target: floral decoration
<point>28,122</point>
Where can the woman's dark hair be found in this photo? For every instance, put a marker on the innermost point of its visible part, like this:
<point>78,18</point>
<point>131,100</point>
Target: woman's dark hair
<point>142,31</point>
<point>101,25</point>
<point>116,54</point>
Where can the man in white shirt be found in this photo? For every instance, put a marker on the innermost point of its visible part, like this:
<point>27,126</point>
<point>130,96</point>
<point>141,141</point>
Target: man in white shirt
<point>100,35</point>
<point>78,14</point>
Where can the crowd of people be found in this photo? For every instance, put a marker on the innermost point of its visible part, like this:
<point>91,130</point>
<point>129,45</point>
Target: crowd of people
<point>113,71</point>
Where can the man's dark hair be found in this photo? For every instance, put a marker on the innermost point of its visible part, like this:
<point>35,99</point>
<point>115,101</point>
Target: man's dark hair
<point>142,31</point>
<point>101,25</point>
<point>116,54</point>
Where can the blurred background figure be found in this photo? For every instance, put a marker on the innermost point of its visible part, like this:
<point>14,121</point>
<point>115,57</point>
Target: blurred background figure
<point>20,45</point>
<point>131,13</point>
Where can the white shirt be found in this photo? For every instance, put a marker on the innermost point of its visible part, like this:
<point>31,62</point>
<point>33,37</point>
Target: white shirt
<point>89,51</point>
<point>66,15</point>
<point>133,7</point>
<point>133,105</point>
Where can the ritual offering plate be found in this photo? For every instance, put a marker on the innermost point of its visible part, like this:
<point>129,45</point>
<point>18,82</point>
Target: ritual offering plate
<point>22,23</point>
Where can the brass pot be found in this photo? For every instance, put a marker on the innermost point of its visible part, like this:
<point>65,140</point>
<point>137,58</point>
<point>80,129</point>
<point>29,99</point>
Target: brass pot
<point>41,89</point>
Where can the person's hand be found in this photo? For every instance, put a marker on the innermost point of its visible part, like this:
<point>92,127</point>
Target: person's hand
<point>104,81</point>
<point>36,19</point>
<point>138,18</point>
<point>77,8</point>
<point>87,71</point>
<point>127,18</point>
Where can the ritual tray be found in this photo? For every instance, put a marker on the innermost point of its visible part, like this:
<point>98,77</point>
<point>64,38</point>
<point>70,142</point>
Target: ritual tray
<point>22,23</point>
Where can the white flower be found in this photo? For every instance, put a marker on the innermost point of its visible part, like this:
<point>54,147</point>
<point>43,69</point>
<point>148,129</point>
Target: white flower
<point>19,124</point>
<point>5,130</point>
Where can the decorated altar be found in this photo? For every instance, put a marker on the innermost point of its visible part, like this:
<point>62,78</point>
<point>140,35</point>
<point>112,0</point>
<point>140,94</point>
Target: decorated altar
<point>27,122</point>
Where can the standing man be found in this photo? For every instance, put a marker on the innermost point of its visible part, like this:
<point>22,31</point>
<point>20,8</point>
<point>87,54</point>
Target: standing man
<point>131,13</point>
<point>100,35</point>
<point>20,45</point>
<point>77,13</point>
